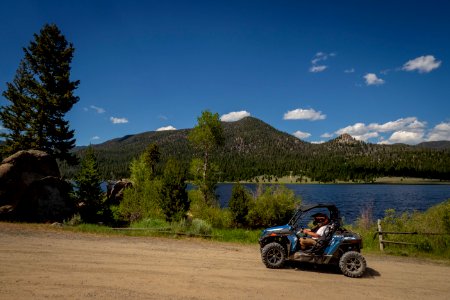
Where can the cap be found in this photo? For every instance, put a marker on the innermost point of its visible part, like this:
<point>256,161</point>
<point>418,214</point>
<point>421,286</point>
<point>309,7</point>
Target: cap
<point>319,215</point>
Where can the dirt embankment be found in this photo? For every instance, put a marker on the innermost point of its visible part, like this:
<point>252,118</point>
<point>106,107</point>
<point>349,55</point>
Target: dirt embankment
<point>39,262</point>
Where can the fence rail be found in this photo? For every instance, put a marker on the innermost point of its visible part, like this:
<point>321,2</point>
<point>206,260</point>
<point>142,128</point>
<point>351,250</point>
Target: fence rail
<point>163,231</point>
<point>382,241</point>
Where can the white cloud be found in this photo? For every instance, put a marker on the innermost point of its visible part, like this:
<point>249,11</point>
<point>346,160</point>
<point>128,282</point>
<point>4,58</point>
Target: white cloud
<point>404,130</point>
<point>356,129</point>
<point>352,70</point>
<point>94,138</point>
<point>372,79</point>
<point>115,120</point>
<point>99,110</point>
<point>422,64</point>
<point>301,135</point>
<point>234,116</point>
<point>320,57</point>
<point>166,128</point>
<point>410,123</point>
<point>304,114</point>
<point>317,69</point>
<point>406,137</point>
<point>326,135</point>
<point>440,132</point>
<point>365,137</point>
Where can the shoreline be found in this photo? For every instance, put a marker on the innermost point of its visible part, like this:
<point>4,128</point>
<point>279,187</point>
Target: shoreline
<point>381,180</point>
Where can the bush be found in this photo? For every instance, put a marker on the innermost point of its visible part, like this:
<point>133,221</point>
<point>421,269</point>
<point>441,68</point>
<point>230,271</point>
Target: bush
<point>200,227</point>
<point>200,209</point>
<point>273,205</point>
<point>151,223</point>
<point>140,202</point>
<point>74,220</point>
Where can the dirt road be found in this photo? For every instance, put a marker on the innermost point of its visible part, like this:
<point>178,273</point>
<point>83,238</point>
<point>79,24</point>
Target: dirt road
<point>40,262</point>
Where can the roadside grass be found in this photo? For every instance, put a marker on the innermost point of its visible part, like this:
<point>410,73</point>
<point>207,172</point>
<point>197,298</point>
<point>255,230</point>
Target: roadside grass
<point>431,242</point>
<point>160,228</point>
<point>431,239</point>
<point>243,236</point>
<point>236,235</point>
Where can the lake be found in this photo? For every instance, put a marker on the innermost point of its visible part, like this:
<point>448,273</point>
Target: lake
<point>351,199</point>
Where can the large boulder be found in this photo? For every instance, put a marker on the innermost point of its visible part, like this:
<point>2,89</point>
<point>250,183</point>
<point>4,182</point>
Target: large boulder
<point>31,188</point>
<point>115,190</point>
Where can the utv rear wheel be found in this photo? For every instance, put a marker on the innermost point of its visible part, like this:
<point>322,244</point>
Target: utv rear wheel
<point>273,256</point>
<point>352,264</point>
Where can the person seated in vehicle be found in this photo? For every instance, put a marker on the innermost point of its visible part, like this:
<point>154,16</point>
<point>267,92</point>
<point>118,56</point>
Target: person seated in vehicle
<point>312,235</point>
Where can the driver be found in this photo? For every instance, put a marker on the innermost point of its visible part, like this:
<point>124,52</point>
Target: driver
<point>312,235</point>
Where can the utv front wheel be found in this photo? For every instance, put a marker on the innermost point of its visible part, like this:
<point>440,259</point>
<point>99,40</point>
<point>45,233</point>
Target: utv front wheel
<point>352,264</point>
<point>273,255</point>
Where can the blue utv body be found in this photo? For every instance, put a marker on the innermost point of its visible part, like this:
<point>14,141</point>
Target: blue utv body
<point>338,246</point>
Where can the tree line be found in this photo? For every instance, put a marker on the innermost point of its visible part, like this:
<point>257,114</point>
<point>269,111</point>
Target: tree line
<point>252,148</point>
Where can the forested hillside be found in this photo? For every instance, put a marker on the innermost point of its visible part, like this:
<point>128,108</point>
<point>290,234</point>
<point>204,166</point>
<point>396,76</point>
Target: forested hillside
<point>253,148</point>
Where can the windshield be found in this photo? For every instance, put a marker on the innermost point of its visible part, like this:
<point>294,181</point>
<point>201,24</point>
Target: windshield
<point>304,218</point>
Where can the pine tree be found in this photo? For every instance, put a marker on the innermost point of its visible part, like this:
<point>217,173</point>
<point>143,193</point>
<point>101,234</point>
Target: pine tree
<point>152,157</point>
<point>40,95</point>
<point>89,192</point>
<point>239,203</point>
<point>174,198</point>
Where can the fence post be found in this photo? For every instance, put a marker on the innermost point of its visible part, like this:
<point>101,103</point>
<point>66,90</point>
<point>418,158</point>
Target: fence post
<point>380,235</point>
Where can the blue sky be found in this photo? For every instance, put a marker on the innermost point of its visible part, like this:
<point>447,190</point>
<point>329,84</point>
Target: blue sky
<point>378,70</point>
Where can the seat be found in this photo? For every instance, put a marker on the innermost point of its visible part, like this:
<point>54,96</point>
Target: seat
<point>324,240</point>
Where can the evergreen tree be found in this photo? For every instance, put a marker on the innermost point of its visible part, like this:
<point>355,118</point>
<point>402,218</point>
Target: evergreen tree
<point>152,157</point>
<point>239,203</point>
<point>40,95</point>
<point>174,198</point>
<point>88,189</point>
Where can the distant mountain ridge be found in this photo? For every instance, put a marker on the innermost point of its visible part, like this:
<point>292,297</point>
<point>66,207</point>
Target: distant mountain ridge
<point>253,147</point>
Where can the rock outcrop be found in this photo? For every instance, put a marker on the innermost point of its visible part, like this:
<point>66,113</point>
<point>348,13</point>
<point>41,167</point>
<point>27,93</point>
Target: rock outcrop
<point>115,190</point>
<point>31,188</point>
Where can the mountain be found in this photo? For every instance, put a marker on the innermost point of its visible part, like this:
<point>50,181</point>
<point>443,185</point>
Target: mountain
<point>346,139</point>
<point>435,145</point>
<point>254,148</point>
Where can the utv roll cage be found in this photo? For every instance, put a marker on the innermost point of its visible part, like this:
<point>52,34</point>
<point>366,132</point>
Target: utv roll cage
<point>334,215</point>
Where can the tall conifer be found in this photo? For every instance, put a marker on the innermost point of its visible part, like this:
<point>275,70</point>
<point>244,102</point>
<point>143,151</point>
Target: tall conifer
<point>40,95</point>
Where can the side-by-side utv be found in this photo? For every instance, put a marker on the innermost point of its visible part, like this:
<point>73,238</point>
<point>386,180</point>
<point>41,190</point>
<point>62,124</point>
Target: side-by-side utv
<point>337,246</point>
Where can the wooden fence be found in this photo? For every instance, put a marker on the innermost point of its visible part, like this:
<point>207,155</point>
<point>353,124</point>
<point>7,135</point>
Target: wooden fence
<point>382,241</point>
<point>163,231</point>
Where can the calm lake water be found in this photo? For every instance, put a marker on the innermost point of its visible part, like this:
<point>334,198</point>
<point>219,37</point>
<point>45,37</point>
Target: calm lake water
<point>351,199</point>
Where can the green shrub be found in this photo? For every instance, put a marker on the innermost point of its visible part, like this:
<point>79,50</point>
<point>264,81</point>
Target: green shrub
<point>74,220</point>
<point>273,205</point>
<point>200,209</point>
<point>200,227</point>
<point>140,202</point>
<point>151,223</point>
